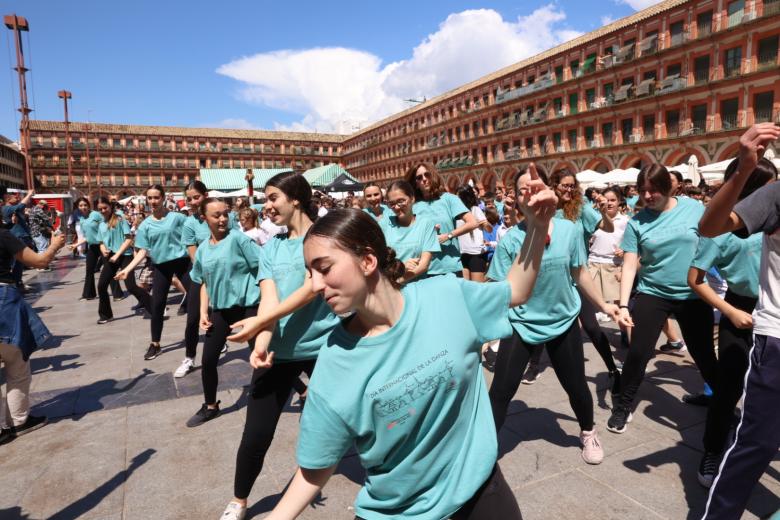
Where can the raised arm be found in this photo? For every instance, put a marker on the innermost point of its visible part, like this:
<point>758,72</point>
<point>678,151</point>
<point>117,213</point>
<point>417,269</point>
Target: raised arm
<point>41,260</point>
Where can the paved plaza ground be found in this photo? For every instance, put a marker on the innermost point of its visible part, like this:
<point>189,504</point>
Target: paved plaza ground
<point>118,448</point>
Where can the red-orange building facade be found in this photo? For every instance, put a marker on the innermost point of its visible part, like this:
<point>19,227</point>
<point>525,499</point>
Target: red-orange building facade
<point>681,78</point>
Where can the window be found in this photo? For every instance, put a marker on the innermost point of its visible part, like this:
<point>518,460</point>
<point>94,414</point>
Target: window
<point>704,24</point>
<point>626,129</point>
<point>606,133</point>
<point>732,62</point>
<point>572,139</point>
<point>558,73</point>
<point>767,51</point>
<point>673,69</point>
<point>650,74</point>
<point>676,33</point>
<point>573,103</point>
<point>590,96</point>
<point>699,118</point>
<point>590,134</point>
<point>736,12</point>
<point>574,66</point>
<point>558,104</point>
<point>672,123</point>
<point>701,69</point>
<point>648,127</point>
<point>609,90</point>
<point>762,106</point>
<point>557,139</point>
<point>729,109</point>
<point>529,144</point>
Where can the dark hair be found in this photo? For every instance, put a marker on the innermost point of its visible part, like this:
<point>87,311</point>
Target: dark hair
<point>357,232</point>
<point>488,195</point>
<point>657,176</point>
<point>678,175</point>
<point>208,200</point>
<point>467,196</point>
<point>403,186</point>
<point>295,187</point>
<point>3,190</point>
<point>157,187</point>
<point>437,186</point>
<point>79,201</point>
<point>764,172</point>
<point>617,191</point>
<point>626,188</point>
<point>491,215</point>
<point>197,186</point>
<point>523,168</point>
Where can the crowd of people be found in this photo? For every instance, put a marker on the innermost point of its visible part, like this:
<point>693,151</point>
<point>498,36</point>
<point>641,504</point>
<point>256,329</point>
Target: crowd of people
<point>356,290</point>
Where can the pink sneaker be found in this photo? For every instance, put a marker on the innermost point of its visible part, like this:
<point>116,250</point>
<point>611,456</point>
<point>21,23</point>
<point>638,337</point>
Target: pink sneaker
<point>592,452</point>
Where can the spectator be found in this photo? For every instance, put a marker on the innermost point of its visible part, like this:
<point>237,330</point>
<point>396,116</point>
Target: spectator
<point>41,228</point>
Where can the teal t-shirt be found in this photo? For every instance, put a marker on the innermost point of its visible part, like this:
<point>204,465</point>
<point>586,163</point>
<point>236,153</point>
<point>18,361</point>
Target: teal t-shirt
<point>298,335</point>
<point>194,231</point>
<point>90,227</point>
<point>258,208</point>
<point>443,211</point>
<point>229,270</point>
<point>555,302</point>
<point>499,207</point>
<point>587,222</point>
<point>113,238</point>
<point>410,241</point>
<point>737,260</point>
<point>386,212</point>
<point>666,244</point>
<point>412,400</point>
<point>631,201</point>
<point>162,238</point>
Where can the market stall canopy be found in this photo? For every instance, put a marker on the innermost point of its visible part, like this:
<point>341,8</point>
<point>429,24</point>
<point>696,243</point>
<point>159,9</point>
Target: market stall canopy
<point>231,179</point>
<point>621,177</point>
<point>323,175</point>
<point>343,183</point>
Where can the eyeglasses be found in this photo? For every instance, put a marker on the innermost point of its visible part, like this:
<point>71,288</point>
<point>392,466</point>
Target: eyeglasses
<point>421,176</point>
<point>400,203</point>
<point>567,187</point>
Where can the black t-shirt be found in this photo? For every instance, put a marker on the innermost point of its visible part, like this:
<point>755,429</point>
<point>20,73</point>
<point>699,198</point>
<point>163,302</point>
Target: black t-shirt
<point>9,246</point>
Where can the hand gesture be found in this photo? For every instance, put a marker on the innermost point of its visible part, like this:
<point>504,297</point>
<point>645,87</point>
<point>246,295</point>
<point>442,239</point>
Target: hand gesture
<point>57,242</point>
<point>740,319</point>
<point>412,264</point>
<point>261,358</point>
<point>539,199</point>
<point>121,275</point>
<point>250,327</point>
<point>624,318</point>
<point>753,143</point>
<point>601,202</point>
<point>205,323</point>
<point>612,310</point>
<point>443,238</point>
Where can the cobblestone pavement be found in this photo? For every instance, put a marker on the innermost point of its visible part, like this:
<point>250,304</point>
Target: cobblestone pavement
<point>117,445</point>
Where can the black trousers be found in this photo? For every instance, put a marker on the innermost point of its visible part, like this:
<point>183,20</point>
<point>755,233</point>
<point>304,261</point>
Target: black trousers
<point>93,258</point>
<point>191,332</point>
<point>162,274</point>
<point>494,500</point>
<point>592,328</point>
<point>270,390</point>
<point>215,339</point>
<point>568,361</point>
<point>107,274</point>
<point>650,313</point>
<point>758,434</point>
<point>733,350</point>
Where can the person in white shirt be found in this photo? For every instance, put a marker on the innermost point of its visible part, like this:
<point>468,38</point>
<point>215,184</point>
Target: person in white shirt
<point>472,244</point>
<point>606,257</point>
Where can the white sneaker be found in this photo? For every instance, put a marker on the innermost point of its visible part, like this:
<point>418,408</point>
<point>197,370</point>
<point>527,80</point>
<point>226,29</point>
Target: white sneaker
<point>224,349</point>
<point>592,452</point>
<point>234,511</point>
<point>185,368</point>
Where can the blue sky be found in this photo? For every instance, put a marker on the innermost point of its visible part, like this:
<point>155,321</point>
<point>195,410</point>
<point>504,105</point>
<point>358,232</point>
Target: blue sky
<point>325,66</point>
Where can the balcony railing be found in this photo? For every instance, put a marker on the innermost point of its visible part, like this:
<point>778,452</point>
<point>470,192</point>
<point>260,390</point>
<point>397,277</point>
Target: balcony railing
<point>701,76</point>
<point>672,83</point>
<point>767,59</point>
<point>731,69</point>
<point>542,83</point>
<point>624,54</point>
<point>649,45</point>
<point>736,18</point>
<point>677,39</point>
<point>645,88</point>
<point>728,121</point>
<point>771,7</point>
<point>763,115</point>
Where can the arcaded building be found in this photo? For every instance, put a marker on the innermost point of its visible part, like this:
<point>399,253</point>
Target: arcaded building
<point>11,164</point>
<point>678,79</point>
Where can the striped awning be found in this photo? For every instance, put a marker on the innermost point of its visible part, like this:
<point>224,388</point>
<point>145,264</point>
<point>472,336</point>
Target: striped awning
<point>324,175</point>
<point>229,179</point>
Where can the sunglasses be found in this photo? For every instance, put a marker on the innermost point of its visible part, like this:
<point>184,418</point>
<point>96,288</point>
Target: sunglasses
<point>421,176</point>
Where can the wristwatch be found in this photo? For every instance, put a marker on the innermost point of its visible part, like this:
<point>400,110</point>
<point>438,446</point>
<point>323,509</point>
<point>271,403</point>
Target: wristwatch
<point>450,236</point>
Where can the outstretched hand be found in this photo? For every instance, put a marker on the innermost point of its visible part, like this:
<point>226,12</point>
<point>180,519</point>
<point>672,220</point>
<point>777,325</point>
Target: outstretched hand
<point>753,144</point>
<point>539,198</point>
<point>250,327</point>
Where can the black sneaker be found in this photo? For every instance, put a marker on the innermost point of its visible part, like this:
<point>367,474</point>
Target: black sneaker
<point>531,374</point>
<point>490,360</point>
<point>614,387</point>
<point>32,423</point>
<point>697,399</point>
<point>152,352</point>
<point>619,420</point>
<point>103,321</point>
<point>120,297</point>
<point>708,468</point>
<point>673,348</point>
<point>203,415</point>
<point>181,311</point>
<point>137,307</point>
<point>6,436</point>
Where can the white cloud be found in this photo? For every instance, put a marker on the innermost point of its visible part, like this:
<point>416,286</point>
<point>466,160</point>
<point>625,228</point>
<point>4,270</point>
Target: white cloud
<point>638,5</point>
<point>607,19</point>
<point>234,123</point>
<point>335,89</point>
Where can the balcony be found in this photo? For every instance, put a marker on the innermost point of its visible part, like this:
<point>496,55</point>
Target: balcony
<point>649,45</point>
<point>634,138</point>
<point>701,76</point>
<point>593,143</point>
<point>624,54</point>
<point>736,18</point>
<point>771,7</point>
<point>672,84</point>
<point>623,93</point>
<point>763,114</point>
<point>645,88</point>
<point>767,59</point>
<point>728,121</point>
<point>732,69</point>
<point>607,61</point>
<point>678,39</point>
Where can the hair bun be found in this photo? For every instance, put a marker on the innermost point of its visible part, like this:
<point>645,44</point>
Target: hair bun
<point>394,269</point>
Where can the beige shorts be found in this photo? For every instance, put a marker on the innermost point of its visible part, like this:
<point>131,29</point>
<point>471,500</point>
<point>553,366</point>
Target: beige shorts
<point>605,277</point>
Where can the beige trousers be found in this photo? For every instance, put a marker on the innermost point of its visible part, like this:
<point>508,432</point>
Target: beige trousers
<point>15,406</point>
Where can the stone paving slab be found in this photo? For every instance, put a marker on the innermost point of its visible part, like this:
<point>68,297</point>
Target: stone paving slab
<point>118,448</point>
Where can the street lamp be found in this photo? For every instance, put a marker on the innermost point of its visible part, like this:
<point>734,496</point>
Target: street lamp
<point>65,96</point>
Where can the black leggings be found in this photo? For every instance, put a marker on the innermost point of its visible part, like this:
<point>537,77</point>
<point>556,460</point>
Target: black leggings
<point>107,276</point>
<point>94,257</point>
<point>568,361</point>
<point>733,350</point>
<point>215,339</point>
<point>270,390</point>
<point>191,332</point>
<point>649,314</point>
<point>592,328</point>
<point>494,500</point>
<point>161,284</point>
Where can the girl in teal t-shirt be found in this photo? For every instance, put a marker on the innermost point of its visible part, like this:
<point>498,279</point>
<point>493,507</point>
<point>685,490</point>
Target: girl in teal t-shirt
<point>442,210</point>
<point>413,239</point>
<point>374,204</point>
<point>737,261</point>
<point>225,270</point>
<point>89,224</point>
<point>116,250</point>
<point>548,318</point>
<point>159,236</point>
<point>415,406</point>
<point>573,207</point>
<point>289,334</point>
<point>662,239</point>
